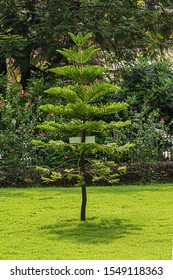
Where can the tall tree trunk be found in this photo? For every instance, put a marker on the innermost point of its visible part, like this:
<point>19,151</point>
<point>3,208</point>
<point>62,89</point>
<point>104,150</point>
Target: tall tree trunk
<point>3,66</point>
<point>84,193</point>
<point>84,202</point>
<point>25,67</point>
<point>25,76</point>
<point>25,72</point>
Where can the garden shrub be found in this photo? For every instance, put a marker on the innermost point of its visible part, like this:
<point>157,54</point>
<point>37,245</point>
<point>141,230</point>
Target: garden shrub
<point>19,117</point>
<point>148,172</point>
<point>18,177</point>
<point>150,135</point>
<point>149,80</point>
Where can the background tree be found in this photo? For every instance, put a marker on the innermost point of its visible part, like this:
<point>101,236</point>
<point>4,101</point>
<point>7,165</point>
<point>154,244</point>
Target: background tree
<point>29,26</point>
<point>124,29</point>
<point>149,84</point>
<point>80,111</point>
<point>127,29</point>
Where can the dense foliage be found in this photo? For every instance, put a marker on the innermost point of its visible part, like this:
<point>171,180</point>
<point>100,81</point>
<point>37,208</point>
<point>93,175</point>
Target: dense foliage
<point>150,84</point>
<point>123,29</point>
<point>31,31</point>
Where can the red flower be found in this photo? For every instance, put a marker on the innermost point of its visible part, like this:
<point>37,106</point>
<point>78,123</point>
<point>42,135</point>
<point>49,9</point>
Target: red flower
<point>50,114</point>
<point>30,102</point>
<point>1,103</point>
<point>135,111</point>
<point>20,130</point>
<point>25,94</point>
<point>42,133</point>
<point>162,120</point>
<point>145,107</point>
<point>66,157</point>
<point>115,134</point>
<point>28,181</point>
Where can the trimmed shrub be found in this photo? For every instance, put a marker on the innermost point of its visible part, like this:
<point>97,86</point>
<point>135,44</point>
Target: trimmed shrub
<point>148,172</point>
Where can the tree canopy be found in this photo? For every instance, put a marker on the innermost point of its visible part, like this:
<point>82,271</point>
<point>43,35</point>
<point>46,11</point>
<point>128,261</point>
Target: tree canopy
<point>124,29</point>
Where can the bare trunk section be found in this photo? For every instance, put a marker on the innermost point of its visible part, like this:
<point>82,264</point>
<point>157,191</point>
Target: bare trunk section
<point>84,193</point>
<point>84,202</point>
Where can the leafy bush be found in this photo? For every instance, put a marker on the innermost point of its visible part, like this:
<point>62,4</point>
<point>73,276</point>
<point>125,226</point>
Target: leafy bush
<point>153,81</point>
<point>151,137</point>
<point>19,118</point>
<point>148,172</point>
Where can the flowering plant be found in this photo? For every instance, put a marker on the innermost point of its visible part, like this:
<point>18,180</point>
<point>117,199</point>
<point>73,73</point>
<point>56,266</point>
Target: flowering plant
<point>18,126</point>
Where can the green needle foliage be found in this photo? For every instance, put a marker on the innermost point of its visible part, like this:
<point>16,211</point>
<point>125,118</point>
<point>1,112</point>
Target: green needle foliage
<point>83,114</point>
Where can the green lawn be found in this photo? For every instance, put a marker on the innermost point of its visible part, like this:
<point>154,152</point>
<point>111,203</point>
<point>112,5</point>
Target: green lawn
<point>123,222</point>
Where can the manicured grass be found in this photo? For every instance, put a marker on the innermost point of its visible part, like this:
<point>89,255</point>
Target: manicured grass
<point>123,222</point>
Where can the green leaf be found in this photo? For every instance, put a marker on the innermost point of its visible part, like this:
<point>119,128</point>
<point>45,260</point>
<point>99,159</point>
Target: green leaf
<point>88,53</point>
<point>65,92</point>
<point>38,143</point>
<point>70,54</point>
<point>97,90</point>
<point>113,148</point>
<point>43,170</point>
<point>87,37</point>
<point>80,38</point>
<point>73,37</point>
<point>119,124</point>
<point>79,57</point>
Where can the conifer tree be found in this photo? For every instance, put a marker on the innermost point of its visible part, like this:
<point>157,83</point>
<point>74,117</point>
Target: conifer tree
<point>84,115</point>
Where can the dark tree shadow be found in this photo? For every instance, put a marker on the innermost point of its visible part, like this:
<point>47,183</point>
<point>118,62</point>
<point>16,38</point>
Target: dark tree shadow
<point>91,231</point>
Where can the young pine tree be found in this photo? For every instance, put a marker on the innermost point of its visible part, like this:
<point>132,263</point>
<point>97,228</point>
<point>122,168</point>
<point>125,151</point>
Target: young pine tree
<point>83,115</point>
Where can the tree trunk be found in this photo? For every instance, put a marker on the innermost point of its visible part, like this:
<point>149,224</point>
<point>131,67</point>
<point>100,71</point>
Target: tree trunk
<point>25,76</point>
<point>25,67</point>
<point>3,67</point>
<point>84,193</point>
<point>84,202</point>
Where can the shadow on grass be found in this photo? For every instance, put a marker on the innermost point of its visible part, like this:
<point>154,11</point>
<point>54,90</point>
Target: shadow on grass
<point>91,231</point>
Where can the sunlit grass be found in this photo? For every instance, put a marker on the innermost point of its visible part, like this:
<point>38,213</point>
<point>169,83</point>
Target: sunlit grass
<point>124,222</point>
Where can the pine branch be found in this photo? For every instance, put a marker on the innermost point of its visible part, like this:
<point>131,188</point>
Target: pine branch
<point>78,126</point>
<point>111,108</point>
<point>97,90</point>
<point>80,39</point>
<point>89,73</point>
<point>83,110</point>
<point>117,125</point>
<point>79,57</point>
<point>113,148</point>
<point>65,92</point>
